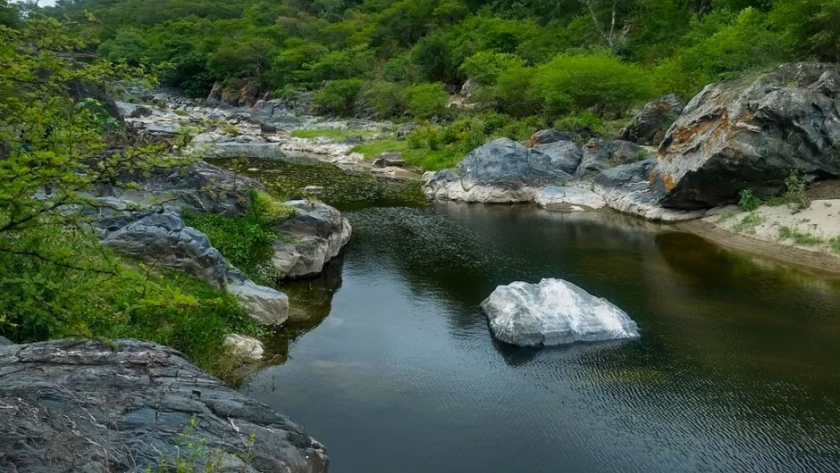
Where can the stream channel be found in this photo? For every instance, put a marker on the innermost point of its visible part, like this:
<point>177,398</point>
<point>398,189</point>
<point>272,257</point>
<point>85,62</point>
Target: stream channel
<point>394,369</point>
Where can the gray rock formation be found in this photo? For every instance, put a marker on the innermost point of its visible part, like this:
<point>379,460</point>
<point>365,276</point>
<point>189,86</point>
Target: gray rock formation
<point>5,342</point>
<point>389,159</point>
<point>163,240</point>
<point>132,110</point>
<point>649,126</point>
<point>501,171</point>
<point>627,189</point>
<point>92,407</point>
<point>568,199</point>
<point>751,134</point>
<point>565,155</point>
<point>549,135</point>
<point>232,149</point>
<point>599,155</point>
<point>315,235</point>
<point>553,312</point>
<point>202,187</point>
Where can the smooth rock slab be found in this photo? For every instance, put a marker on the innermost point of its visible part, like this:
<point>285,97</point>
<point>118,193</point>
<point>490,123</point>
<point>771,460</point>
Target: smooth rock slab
<point>554,312</point>
<point>568,199</point>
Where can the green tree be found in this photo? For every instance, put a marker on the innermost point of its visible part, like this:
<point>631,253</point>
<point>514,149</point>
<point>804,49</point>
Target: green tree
<point>338,97</point>
<point>426,100</point>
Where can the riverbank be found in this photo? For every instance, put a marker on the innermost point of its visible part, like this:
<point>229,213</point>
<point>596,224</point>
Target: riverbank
<point>808,238</point>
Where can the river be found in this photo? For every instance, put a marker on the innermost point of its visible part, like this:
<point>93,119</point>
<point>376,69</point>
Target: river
<point>737,368</point>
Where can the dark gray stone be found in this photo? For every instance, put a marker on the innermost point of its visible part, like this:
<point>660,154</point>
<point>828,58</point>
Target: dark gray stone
<point>5,342</point>
<point>389,159</point>
<point>84,406</point>
<point>599,155</point>
<point>501,171</point>
<point>132,110</point>
<point>649,126</point>
<point>354,140</point>
<point>752,134</point>
<point>550,135</point>
<point>565,155</point>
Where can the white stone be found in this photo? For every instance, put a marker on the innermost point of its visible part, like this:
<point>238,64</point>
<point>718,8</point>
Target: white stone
<point>245,347</point>
<point>553,312</point>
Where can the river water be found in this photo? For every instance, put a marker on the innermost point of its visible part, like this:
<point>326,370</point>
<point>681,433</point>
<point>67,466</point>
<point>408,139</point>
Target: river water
<point>737,369</point>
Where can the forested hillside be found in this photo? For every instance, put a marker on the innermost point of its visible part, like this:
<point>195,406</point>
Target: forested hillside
<point>546,58</point>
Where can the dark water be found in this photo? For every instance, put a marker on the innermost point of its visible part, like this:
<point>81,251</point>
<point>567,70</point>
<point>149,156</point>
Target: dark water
<point>738,367</point>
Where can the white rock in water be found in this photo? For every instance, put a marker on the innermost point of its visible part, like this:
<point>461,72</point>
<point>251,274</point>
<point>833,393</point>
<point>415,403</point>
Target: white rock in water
<point>554,312</point>
<point>245,347</point>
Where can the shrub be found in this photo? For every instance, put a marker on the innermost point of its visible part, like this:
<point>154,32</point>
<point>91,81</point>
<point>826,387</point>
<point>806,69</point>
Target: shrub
<point>584,124</point>
<point>747,201</point>
<point>386,98</point>
<point>426,100</point>
<point>338,97</point>
<point>602,82</point>
<point>513,92</point>
<point>484,67</point>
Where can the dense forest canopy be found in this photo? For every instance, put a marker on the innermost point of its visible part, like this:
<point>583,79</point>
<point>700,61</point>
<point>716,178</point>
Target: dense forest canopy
<point>525,57</point>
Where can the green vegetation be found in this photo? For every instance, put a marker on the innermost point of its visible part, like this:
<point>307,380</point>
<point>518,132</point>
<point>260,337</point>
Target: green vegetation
<point>533,58</point>
<point>57,280</point>
<point>748,202</point>
<point>333,134</point>
<point>246,242</point>
<point>748,223</point>
<point>800,238</point>
<point>194,456</point>
<point>835,245</point>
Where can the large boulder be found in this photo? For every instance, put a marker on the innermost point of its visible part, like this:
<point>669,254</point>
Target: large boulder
<point>549,135</point>
<point>163,240</point>
<point>97,407</point>
<point>573,198</point>
<point>553,312</point>
<point>565,155</point>
<point>599,155</point>
<point>649,126</point>
<point>501,171</point>
<point>752,134</point>
<point>315,235</point>
<point>627,189</point>
<point>200,187</point>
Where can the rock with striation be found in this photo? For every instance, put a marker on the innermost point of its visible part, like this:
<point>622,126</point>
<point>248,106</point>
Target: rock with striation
<point>599,155</point>
<point>568,199</point>
<point>501,171</point>
<point>650,125</point>
<point>565,155</point>
<point>94,407</point>
<point>752,134</point>
<point>627,189</point>
<point>553,312</point>
<point>315,235</point>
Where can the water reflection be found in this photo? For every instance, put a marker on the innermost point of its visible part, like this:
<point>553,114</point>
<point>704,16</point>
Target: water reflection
<point>737,368</point>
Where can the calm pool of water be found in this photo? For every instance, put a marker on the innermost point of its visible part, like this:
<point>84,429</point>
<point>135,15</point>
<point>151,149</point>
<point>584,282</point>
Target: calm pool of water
<point>738,367</point>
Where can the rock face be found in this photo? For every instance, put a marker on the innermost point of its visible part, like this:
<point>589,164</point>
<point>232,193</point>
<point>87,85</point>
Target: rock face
<point>649,126</point>
<point>599,155</point>
<point>163,240</point>
<point>566,155</point>
<point>389,159</point>
<point>315,235</point>
<point>70,406</point>
<point>501,171</point>
<point>203,188</point>
<point>553,312</point>
<point>627,189</point>
<point>568,199</point>
<point>549,135</point>
<point>751,134</point>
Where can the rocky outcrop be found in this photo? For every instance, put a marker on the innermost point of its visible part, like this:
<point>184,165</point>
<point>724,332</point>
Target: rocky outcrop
<point>565,155</point>
<point>599,155</point>
<point>752,134</point>
<point>501,171</point>
<point>163,240</point>
<point>95,407</point>
<point>389,159</point>
<point>572,198</point>
<point>132,110</point>
<point>201,187</point>
<point>553,312</point>
<point>549,135</point>
<point>649,126</point>
<point>627,189</point>
<point>315,235</point>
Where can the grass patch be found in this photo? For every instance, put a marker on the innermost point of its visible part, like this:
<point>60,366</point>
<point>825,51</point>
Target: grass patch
<point>800,238</point>
<point>43,301</point>
<point>425,158</point>
<point>247,242</point>
<point>333,134</point>
<point>748,223</point>
<point>725,216</point>
<point>835,245</point>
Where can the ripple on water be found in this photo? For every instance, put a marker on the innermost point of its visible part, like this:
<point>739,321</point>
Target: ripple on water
<point>737,368</point>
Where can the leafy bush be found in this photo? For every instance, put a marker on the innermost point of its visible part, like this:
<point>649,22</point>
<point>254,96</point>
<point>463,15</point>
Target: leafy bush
<point>799,238</point>
<point>338,97</point>
<point>387,99</point>
<point>747,201</point>
<point>426,100</point>
<point>601,82</point>
<point>484,67</point>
